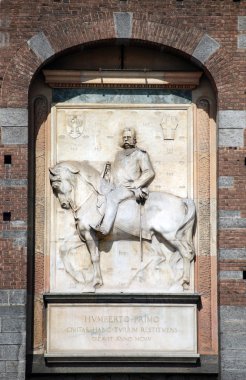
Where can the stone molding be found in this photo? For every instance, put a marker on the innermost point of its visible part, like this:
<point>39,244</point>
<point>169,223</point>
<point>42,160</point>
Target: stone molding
<point>192,298</point>
<point>149,79</point>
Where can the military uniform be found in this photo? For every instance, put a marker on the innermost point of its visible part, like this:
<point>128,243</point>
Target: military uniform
<point>131,171</point>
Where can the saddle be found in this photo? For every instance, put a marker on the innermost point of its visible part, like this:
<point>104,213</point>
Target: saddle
<point>136,204</point>
<point>132,225</point>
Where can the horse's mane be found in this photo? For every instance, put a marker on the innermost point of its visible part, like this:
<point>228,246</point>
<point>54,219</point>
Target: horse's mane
<point>85,170</point>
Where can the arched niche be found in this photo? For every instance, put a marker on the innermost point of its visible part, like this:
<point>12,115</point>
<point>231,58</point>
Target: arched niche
<point>124,77</point>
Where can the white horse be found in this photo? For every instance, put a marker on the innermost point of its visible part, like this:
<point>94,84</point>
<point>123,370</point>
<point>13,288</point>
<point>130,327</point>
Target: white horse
<point>78,187</point>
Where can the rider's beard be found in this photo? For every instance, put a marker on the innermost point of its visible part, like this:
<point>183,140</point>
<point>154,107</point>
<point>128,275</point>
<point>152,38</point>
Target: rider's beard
<point>128,146</point>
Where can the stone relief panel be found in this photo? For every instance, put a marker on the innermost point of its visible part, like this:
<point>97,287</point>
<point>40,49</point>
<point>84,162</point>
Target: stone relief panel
<point>122,330</point>
<point>149,245</point>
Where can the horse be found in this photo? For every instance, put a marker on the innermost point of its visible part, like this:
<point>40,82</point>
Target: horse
<point>78,187</point>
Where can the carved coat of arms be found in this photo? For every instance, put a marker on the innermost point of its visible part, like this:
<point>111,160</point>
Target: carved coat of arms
<point>75,126</point>
<point>169,124</point>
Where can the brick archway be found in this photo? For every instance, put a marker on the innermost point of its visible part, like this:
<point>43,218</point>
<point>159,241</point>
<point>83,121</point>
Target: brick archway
<point>192,42</point>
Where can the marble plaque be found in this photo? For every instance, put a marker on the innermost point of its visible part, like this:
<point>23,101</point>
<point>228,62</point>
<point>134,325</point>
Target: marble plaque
<point>118,330</point>
<point>92,133</point>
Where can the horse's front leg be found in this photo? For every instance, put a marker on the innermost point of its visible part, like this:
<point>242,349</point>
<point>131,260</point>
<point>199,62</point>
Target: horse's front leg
<point>92,245</point>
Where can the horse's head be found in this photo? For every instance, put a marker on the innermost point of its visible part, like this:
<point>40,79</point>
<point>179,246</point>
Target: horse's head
<point>62,182</point>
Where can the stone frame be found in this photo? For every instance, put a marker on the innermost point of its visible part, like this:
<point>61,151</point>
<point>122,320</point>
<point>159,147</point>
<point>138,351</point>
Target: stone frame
<point>51,203</point>
<point>205,283</point>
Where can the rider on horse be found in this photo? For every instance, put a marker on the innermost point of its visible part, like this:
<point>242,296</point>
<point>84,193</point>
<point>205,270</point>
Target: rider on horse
<point>131,172</point>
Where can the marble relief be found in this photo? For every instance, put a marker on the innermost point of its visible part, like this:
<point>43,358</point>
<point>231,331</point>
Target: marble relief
<point>122,330</point>
<point>148,244</point>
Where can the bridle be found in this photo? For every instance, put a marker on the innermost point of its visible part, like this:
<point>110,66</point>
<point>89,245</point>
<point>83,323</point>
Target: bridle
<point>75,210</point>
<point>76,219</point>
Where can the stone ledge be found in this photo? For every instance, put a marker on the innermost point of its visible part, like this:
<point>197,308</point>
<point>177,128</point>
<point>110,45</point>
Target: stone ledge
<point>172,358</point>
<point>208,364</point>
<point>181,298</point>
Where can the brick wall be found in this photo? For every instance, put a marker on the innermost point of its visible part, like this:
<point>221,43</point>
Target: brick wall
<point>212,33</point>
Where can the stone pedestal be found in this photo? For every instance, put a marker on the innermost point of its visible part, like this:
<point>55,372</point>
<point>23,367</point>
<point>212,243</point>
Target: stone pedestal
<point>156,329</point>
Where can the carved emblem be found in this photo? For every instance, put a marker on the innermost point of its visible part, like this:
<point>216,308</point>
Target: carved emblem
<point>169,125</point>
<point>75,126</point>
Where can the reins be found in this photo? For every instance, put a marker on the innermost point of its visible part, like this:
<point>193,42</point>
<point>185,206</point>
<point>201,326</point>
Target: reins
<point>75,209</point>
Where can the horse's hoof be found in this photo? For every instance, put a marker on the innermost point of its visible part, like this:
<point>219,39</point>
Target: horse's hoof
<point>97,283</point>
<point>186,286</point>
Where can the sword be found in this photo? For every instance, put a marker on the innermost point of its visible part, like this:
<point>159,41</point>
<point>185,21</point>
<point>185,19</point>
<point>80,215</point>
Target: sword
<point>140,231</point>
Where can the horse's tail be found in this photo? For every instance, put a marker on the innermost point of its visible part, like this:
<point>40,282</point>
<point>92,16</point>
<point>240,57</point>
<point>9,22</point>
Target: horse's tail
<point>185,231</point>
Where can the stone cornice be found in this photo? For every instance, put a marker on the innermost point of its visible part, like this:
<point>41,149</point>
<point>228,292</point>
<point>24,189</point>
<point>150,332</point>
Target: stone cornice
<point>122,79</point>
